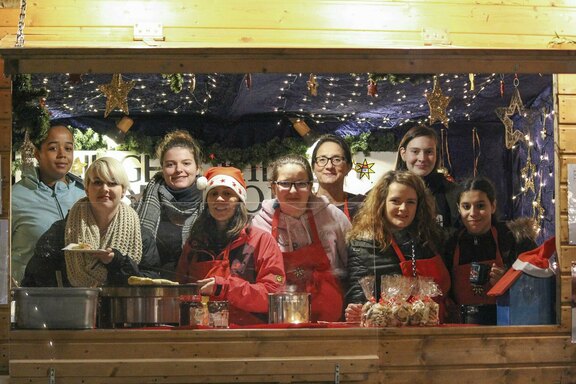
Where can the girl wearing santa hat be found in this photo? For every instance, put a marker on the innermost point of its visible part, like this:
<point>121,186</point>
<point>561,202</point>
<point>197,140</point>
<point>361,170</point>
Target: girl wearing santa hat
<point>230,259</point>
<point>479,254</point>
<point>311,233</point>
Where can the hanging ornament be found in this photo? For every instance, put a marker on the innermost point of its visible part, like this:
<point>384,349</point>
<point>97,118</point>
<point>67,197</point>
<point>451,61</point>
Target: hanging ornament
<point>192,83</point>
<point>248,81</point>
<point>476,150</point>
<point>312,85</point>
<point>444,154</point>
<point>364,169</point>
<point>501,85</point>
<point>471,77</point>
<point>372,88</point>
<point>27,152</point>
<point>543,133</point>
<point>539,210</point>
<point>511,136</point>
<point>527,173</point>
<point>116,94</point>
<point>438,104</point>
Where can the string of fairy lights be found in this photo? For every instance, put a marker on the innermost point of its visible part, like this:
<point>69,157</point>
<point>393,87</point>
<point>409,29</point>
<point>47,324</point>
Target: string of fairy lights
<point>337,99</point>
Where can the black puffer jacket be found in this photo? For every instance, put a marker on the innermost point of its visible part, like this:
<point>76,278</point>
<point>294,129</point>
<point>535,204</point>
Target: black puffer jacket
<point>49,258</point>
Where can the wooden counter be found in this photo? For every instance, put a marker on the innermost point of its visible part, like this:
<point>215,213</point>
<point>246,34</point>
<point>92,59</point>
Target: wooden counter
<point>537,354</point>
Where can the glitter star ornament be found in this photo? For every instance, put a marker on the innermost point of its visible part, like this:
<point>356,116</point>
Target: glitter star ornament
<point>116,94</point>
<point>364,169</point>
<point>527,173</point>
<point>78,167</point>
<point>438,104</point>
<point>511,136</point>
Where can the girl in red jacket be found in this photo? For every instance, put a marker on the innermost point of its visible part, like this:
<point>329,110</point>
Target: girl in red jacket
<point>230,259</point>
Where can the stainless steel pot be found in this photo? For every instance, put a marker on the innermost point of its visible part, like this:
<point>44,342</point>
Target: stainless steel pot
<point>139,306</point>
<point>288,307</point>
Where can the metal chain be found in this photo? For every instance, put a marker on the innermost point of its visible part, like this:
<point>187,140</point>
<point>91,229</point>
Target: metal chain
<point>20,33</point>
<point>413,260</point>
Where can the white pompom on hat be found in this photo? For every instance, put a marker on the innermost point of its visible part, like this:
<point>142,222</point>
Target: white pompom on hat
<point>223,176</point>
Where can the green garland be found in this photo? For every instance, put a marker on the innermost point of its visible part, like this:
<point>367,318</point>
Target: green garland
<point>176,81</point>
<point>396,79</point>
<point>28,112</point>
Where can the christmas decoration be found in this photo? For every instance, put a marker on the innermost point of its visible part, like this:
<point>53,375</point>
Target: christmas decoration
<point>372,88</point>
<point>312,85</point>
<point>176,81</point>
<point>511,136</point>
<point>395,79</point>
<point>78,167</point>
<point>29,116</point>
<point>364,169</point>
<point>248,81</point>
<point>75,78</point>
<point>471,78</point>
<point>21,20</point>
<point>27,152</point>
<point>192,83</point>
<point>438,104</point>
<point>116,94</point>
<point>527,172</point>
<point>539,210</point>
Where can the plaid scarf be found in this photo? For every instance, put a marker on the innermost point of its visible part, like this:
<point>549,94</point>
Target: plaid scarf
<point>156,200</point>
<point>123,234</point>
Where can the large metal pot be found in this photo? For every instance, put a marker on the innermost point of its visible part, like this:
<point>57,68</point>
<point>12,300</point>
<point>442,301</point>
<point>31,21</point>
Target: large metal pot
<point>140,306</point>
<point>288,307</point>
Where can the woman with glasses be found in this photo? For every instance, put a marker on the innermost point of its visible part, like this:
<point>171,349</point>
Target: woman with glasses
<point>311,234</point>
<point>331,162</point>
<point>418,153</point>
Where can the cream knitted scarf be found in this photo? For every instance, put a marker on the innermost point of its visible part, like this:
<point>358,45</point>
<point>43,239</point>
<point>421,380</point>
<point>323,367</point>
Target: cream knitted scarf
<point>122,234</point>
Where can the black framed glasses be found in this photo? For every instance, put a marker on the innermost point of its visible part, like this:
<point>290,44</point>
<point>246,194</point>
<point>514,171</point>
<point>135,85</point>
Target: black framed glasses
<point>289,184</point>
<point>322,161</point>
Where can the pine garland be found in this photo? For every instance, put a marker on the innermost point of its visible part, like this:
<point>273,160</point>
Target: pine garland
<point>396,79</point>
<point>28,112</point>
<point>176,81</point>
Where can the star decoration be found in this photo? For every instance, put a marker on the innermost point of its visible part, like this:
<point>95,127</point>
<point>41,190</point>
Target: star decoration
<point>78,167</point>
<point>527,173</point>
<point>364,169</point>
<point>438,104</point>
<point>511,136</point>
<point>116,94</point>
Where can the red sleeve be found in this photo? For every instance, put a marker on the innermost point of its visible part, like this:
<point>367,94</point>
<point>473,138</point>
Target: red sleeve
<point>270,276</point>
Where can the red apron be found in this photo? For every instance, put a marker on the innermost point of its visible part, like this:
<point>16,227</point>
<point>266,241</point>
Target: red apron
<point>220,267</point>
<point>433,267</point>
<point>463,291</point>
<point>309,269</point>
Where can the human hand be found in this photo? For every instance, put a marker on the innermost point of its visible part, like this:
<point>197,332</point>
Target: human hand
<point>353,313</point>
<point>207,286</point>
<point>496,274</point>
<point>105,256</point>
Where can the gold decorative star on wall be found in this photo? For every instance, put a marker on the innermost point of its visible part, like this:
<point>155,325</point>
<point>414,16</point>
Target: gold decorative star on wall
<point>116,94</point>
<point>438,104</point>
<point>364,169</point>
<point>511,136</point>
<point>78,167</point>
<point>527,174</point>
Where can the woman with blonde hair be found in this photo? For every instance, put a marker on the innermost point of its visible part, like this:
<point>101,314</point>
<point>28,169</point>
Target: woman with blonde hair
<point>99,242</point>
<point>395,232</point>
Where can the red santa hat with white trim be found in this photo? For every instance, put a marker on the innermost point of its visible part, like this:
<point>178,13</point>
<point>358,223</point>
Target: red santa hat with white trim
<point>535,263</point>
<point>223,176</point>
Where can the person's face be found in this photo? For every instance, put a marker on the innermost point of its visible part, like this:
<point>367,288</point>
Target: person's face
<point>55,155</point>
<point>103,196</point>
<point>401,205</point>
<point>222,203</point>
<point>293,198</point>
<point>331,173</point>
<point>420,155</point>
<point>179,168</point>
<point>476,211</point>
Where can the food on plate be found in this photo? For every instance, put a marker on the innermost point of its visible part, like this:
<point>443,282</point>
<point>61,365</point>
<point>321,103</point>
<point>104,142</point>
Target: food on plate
<point>137,280</point>
<point>82,246</point>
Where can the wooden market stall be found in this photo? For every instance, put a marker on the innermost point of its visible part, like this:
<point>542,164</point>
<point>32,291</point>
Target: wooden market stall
<point>74,36</point>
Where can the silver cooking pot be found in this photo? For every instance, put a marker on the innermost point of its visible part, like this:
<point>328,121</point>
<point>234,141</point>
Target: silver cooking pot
<point>139,306</point>
<point>289,307</point>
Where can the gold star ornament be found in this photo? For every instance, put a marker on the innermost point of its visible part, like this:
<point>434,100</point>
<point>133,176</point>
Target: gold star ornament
<point>364,169</point>
<point>78,167</point>
<point>438,104</point>
<point>511,136</point>
<point>116,94</point>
